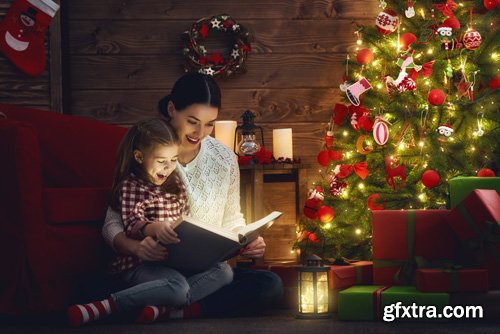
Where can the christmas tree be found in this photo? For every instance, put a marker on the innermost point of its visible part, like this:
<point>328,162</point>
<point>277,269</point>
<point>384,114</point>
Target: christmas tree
<point>421,107</point>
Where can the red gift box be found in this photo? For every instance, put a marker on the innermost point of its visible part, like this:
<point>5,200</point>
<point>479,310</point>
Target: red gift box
<point>399,236</point>
<point>448,280</point>
<point>476,222</point>
<point>356,273</point>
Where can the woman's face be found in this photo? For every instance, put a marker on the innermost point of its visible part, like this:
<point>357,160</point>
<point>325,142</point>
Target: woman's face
<point>193,123</point>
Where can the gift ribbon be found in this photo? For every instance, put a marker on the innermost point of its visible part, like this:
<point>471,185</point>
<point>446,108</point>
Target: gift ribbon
<point>406,271</point>
<point>377,302</point>
<point>486,239</point>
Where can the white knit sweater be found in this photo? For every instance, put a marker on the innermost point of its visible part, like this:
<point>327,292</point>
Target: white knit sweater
<point>212,182</point>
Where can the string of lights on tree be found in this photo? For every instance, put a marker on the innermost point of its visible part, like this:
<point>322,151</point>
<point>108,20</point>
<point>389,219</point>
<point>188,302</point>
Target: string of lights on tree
<point>421,107</point>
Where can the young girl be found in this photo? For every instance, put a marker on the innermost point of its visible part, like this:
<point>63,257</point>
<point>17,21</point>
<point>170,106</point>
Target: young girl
<point>150,197</point>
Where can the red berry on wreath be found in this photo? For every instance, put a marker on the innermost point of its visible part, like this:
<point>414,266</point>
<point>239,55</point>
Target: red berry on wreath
<point>431,178</point>
<point>486,172</point>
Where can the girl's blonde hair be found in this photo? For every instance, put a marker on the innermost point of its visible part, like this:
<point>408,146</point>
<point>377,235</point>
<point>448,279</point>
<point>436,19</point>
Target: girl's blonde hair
<point>142,136</point>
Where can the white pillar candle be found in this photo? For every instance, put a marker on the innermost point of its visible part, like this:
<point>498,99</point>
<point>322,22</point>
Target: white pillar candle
<point>282,143</point>
<point>224,132</point>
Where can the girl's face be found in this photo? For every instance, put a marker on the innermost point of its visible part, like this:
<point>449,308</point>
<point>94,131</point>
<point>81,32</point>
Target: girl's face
<point>158,162</point>
<point>193,123</point>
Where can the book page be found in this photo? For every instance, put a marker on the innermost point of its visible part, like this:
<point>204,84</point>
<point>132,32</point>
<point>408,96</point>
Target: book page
<point>252,231</point>
<point>215,229</point>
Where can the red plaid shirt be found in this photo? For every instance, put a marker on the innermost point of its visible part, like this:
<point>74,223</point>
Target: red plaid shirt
<point>143,203</point>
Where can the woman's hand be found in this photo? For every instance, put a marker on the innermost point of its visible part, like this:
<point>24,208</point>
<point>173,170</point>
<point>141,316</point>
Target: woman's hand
<point>255,249</point>
<point>149,249</point>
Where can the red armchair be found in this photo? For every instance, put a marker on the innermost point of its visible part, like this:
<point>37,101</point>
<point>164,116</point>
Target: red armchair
<point>55,175</point>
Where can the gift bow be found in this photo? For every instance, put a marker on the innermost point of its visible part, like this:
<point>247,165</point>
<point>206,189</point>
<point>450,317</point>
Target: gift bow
<point>447,8</point>
<point>425,70</point>
<point>360,168</point>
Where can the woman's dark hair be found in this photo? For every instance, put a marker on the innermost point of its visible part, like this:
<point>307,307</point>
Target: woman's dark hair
<point>192,88</point>
<point>142,136</point>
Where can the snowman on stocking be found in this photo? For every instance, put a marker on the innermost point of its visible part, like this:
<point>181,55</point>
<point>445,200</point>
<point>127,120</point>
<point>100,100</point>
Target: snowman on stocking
<point>22,34</point>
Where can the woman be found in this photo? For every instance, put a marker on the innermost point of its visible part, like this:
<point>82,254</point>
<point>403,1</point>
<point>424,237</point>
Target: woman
<point>211,174</point>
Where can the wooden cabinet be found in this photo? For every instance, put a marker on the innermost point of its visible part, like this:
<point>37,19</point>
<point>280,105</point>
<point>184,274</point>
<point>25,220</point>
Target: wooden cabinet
<point>280,187</point>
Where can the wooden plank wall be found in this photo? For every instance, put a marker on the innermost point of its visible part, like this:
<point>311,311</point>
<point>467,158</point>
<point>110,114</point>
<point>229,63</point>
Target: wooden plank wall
<point>125,55</point>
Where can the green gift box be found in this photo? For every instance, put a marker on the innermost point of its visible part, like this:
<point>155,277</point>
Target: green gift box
<point>359,302</point>
<point>376,302</point>
<point>461,186</point>
<point>409,296</point>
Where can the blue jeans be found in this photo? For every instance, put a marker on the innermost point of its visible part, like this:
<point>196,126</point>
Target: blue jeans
<point>251,292</point>
<point>152,283</point>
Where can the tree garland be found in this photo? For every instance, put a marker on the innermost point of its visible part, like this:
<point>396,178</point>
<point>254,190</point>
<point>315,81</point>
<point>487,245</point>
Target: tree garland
<point>199,59</point>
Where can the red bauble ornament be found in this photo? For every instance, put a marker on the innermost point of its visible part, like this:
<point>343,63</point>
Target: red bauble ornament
<point>495,82</point>
<point>472,39</point>
<point>311,208</point>
<point>491,4</point>
<point>325,214</point>
<point>387,21</point>
<point>323,158</point>
<point>364,56</point>
<point>430,178</point>
<point>486,172</point>
<point>313,238</point>
<point>436,97</point>
<point>373,202</point>
<point>335,155</point>
<point>406,39</point>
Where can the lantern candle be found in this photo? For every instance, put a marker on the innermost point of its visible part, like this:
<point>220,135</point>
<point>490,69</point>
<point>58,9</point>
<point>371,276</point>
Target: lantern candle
<point>282,143</point>
<point>224,132</point>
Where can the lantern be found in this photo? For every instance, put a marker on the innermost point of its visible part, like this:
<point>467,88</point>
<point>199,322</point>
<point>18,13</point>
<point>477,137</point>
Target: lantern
<point>313,289</point>
<point>248,144</point>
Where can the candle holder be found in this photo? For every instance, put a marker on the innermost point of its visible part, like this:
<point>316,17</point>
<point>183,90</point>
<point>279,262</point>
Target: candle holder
<point>313,289</point>
<point>248,144</point>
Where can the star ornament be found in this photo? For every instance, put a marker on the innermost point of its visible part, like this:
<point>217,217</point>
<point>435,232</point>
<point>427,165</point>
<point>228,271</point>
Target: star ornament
<point>216,23</point>
<point>235,54</point>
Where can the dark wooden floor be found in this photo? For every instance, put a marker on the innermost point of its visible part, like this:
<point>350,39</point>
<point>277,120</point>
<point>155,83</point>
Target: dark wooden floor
<point>275,322</point>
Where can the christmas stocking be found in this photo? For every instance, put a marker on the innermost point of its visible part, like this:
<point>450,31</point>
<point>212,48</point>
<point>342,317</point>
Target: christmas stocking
<point>356,89</point>
<point>22,34</point>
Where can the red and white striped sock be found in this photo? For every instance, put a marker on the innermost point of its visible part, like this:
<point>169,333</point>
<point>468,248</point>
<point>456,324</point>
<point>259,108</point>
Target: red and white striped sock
<point>152,313</point>
<point>80,314</point>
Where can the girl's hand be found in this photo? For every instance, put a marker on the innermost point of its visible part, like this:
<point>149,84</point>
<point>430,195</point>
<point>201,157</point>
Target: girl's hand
<point>255,249</point>
<point>165,233</point>
<point>150,250</point>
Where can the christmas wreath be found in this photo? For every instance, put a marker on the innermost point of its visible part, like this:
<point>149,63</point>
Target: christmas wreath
<point>199,59</point>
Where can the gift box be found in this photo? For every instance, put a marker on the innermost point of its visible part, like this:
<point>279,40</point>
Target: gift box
<point>402,236</point>
<point>360,302</point>
<point>450,280</point>
<point>409,296</point>
<point>376,302</point>
<point>476,222</point>
<point>356,273</point>
<point>462,186</point>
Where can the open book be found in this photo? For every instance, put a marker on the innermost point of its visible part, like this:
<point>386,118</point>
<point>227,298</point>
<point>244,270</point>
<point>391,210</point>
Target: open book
<point>203,245</point>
